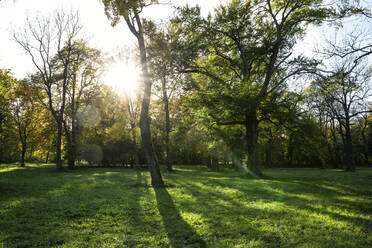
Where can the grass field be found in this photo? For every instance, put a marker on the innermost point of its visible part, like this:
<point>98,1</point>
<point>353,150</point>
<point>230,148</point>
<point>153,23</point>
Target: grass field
<point>117,208</point>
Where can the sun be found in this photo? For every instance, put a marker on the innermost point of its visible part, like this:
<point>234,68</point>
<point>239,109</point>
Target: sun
<point>123,77</point>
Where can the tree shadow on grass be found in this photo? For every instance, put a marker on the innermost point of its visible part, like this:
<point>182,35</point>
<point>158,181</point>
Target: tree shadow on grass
<point>180,233</point>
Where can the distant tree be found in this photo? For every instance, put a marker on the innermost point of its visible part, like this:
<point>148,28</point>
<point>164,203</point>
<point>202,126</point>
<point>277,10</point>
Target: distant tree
<point>344,92</point>
<point>133,109</point>
<point>25,113</point>
<point>130,11</point>
<point>49,41</point>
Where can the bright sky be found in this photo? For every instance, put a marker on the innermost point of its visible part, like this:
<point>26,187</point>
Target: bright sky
<point>97,27</point>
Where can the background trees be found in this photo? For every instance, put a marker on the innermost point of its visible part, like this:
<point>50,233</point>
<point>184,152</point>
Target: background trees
<point>218,90</point>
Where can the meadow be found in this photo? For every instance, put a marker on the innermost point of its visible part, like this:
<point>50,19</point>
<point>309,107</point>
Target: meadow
<point>116,207</point>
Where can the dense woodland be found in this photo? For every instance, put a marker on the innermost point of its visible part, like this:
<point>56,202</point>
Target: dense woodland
<point>224,90</point>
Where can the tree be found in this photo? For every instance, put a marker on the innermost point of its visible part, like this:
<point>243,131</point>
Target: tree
<point>83,75</point>
<point>49,41</point>
<point>25,112</point>
<point>133,107</point>
<point>130,11</point>
<point>7,140</point>
<point>242,58</point>
<point>163,72</point>
<point>343,93</point>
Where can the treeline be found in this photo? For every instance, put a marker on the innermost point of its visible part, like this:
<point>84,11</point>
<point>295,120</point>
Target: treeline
<point>222,90</point>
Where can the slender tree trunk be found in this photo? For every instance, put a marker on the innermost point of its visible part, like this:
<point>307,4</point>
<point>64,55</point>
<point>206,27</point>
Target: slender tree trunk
<point>22,137</point>
<point>72,156</point>
<point>24,148</point>
<point>167,126</point>
<point>234,161</point>
<point>268,154</point>
<point>365,146</point>
<point>156,178</point>
<point>72,149</point>
<point>135,149</point>
<point>47,157</point>
<point>236,156</point>
<point>59,161</point>
<point>252,143</point>
<point>214,163</point>
<point>209,162</point>
<point>71,159</point>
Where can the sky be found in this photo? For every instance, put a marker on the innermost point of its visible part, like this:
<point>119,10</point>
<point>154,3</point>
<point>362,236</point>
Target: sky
<point>96,26</point>
<point>98,30</point>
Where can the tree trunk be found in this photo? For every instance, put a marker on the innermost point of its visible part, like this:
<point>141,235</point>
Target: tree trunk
<point>135,149</point>
<point>24,148</point>
<point>72,152</point>
<point>348,149</point>
<point>167,126</point>
<point>59,161</point>
<point>214,163</point>
<point>71,159</point>
<point>268,154</point>
<point>236,156</point>
<point>156,178</point>
<point>209,162</point>
<point>252,144</point>
<point>47,157</point>
<point>365,146</point>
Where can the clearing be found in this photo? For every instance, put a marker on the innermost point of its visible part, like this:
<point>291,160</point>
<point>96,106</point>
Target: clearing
<point>117,208</point>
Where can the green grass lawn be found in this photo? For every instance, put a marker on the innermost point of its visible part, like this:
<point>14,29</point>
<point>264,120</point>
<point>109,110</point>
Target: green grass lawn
<point>117,208</point>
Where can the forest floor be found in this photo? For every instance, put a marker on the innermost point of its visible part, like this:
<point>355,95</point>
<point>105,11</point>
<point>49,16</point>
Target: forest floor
<point>118,208</point>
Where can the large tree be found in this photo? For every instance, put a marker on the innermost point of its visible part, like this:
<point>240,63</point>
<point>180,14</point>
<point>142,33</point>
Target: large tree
<point>242,58</point>
<point>130,11</point>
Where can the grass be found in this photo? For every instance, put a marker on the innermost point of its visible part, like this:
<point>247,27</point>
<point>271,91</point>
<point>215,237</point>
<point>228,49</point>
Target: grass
<point>117,208</point>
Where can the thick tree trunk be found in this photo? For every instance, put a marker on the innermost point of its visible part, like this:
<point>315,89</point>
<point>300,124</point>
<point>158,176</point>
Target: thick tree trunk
<point>167,126</point>
<point>156,178</point>
<point>59,161</point>
<point>252,144</point>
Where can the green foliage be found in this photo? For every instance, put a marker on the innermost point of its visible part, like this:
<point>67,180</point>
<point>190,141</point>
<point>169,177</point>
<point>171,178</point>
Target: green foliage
<point>8,135</point>
<point>116,208</point>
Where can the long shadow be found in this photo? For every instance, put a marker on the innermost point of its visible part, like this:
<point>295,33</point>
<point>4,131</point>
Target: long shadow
<point>180,233</point>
